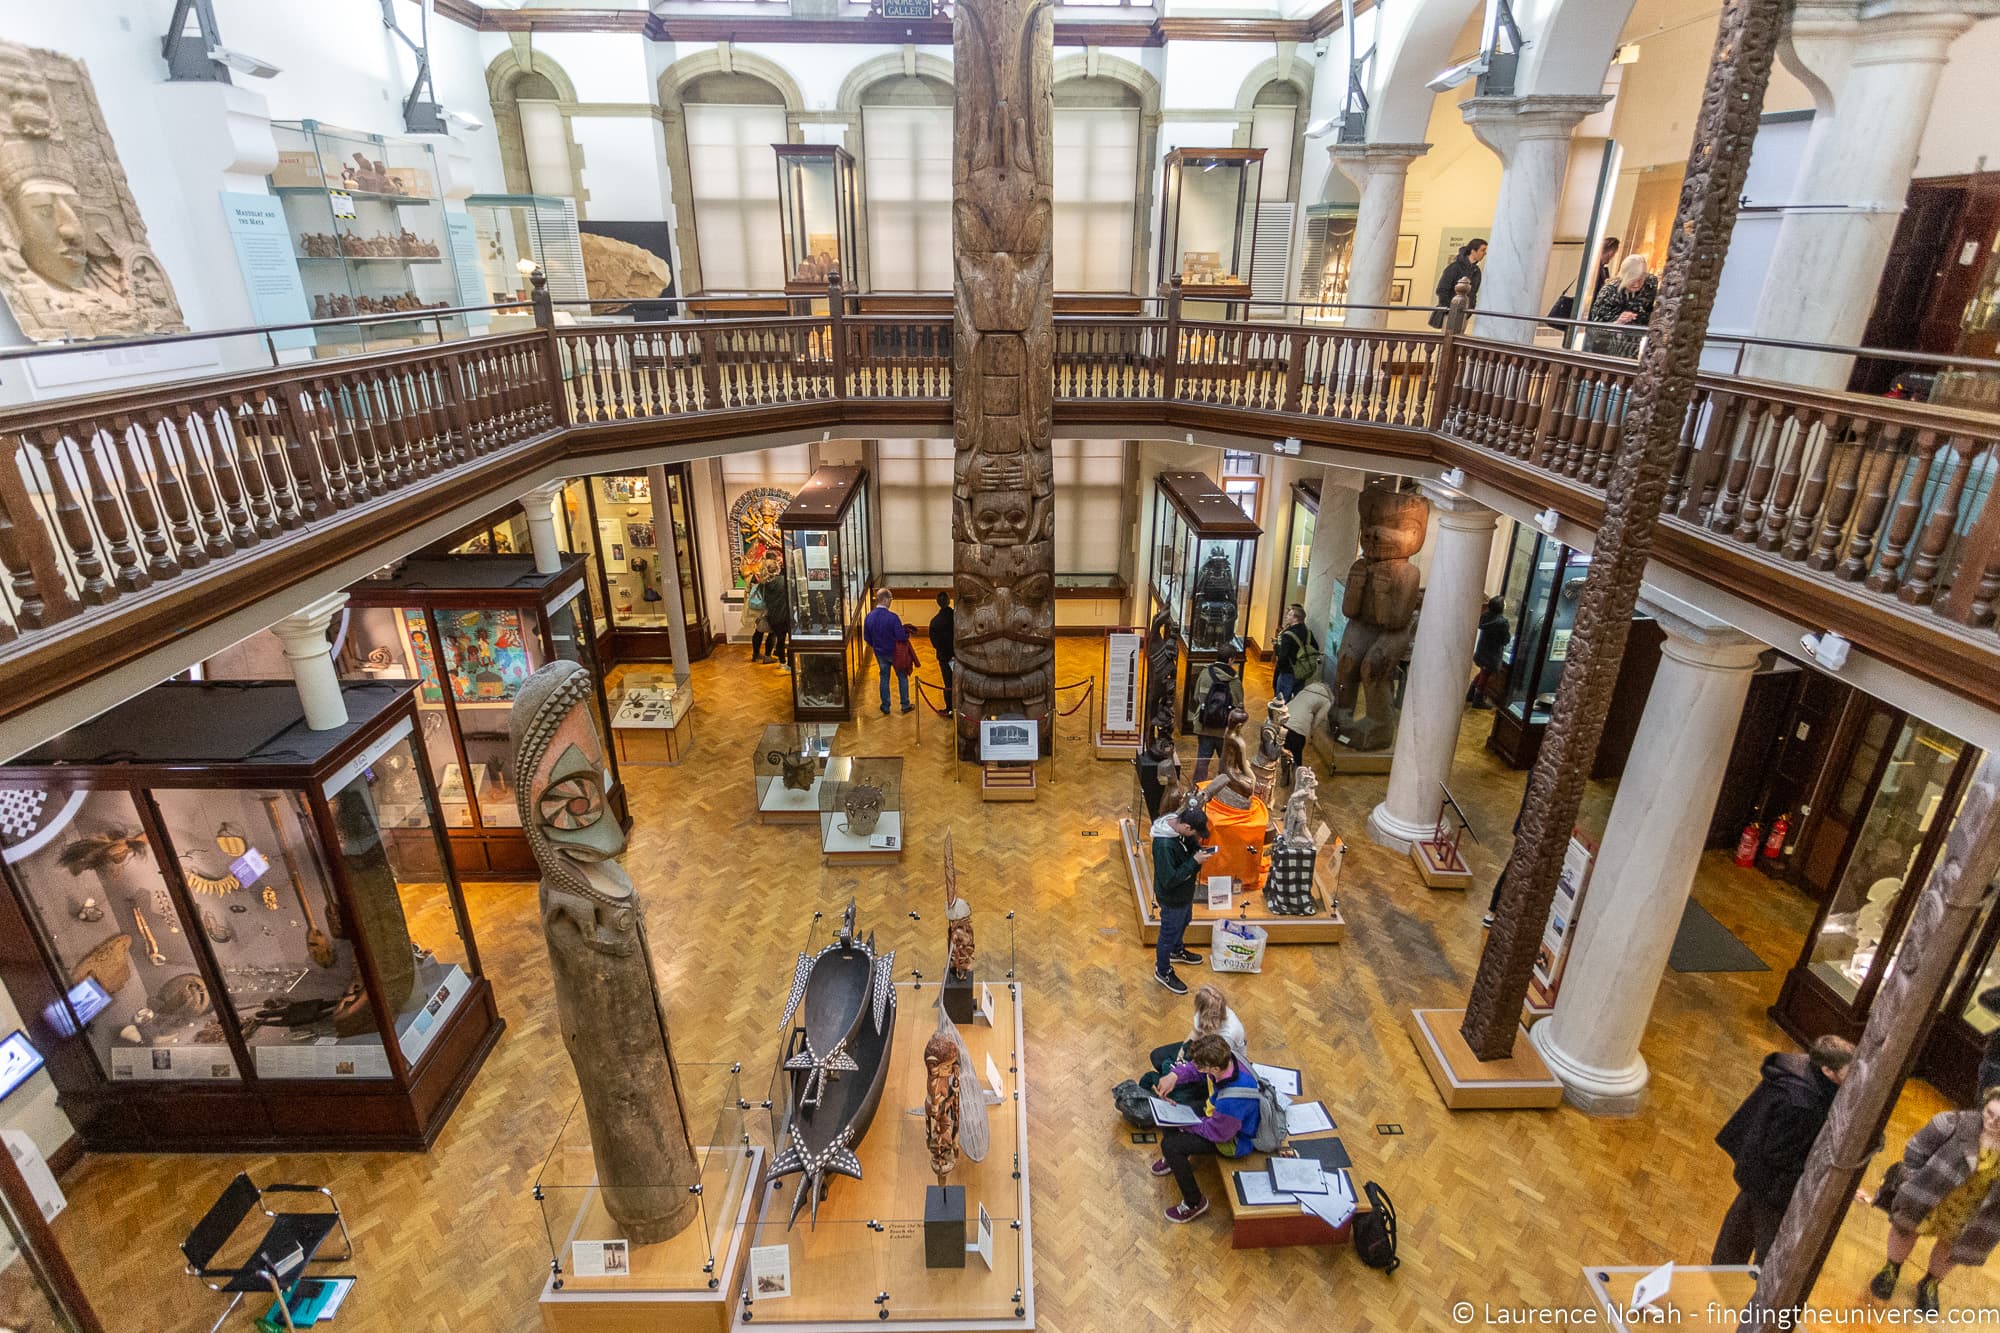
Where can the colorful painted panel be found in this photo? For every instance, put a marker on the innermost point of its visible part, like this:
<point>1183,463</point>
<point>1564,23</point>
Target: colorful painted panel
<point>753,529</point>
<point>484,654</point>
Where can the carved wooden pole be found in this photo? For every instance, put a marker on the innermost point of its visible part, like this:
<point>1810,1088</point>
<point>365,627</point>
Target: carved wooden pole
<point>1003,336</point>
<point>1660,398</point>
<point>1910,994</point>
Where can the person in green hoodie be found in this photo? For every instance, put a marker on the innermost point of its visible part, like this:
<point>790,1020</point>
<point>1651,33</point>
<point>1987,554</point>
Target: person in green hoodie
<point>1177,858</point>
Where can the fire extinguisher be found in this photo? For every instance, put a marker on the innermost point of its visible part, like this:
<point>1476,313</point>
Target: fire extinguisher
<point>1774,842</point>
<point>1746,846</point>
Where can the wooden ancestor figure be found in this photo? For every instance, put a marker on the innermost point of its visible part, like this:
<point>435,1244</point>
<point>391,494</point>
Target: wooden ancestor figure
<point>941,1103</point>
<point>614,1024</point>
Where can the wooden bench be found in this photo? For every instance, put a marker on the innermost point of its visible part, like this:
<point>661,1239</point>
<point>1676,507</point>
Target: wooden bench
<point>1270,1226</point>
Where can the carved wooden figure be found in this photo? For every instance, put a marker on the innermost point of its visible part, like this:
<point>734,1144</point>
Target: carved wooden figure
<point>957,917</point>
<point>941,1103</point>
<point>1003,487</point>
<point>1381,609</point>
<point>614,1023</point>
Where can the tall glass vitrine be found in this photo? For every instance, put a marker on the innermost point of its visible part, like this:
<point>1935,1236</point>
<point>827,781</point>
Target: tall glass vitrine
<point>828,579</point>
<point>1204,554</point>
<point>470,630</point>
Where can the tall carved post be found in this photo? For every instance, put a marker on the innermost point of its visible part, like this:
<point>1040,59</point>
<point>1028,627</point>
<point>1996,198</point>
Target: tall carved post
<point>1918,978</point>
<point>1003,353</point>
<point>614,1023</point>
<point>1661,395</point>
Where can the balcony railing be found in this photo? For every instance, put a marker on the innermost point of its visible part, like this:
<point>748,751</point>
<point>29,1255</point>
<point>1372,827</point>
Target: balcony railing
<point>1868,516</point>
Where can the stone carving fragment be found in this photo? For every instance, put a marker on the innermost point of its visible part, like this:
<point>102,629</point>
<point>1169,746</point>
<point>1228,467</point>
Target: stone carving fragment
<point>608,1002</point>
<point>74,258</point>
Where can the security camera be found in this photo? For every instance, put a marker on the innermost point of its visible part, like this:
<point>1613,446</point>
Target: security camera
<point>1319,48</point>
<point>1547,520</point>
<point>1828,650</point>
<point>463,121</point>
<point>243,64</point>
<point>1458,74</point>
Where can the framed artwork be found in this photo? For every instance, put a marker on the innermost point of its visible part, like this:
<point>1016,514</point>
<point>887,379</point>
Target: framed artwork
<point>419,635</point>
<point>639,535</point>
<point>1399,291</point>
<point>1406,250</point>
<point>484,654</point>
<point>632,488</point>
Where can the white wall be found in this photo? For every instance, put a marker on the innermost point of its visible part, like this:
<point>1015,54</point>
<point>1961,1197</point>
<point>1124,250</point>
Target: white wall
<point>1964,133</point>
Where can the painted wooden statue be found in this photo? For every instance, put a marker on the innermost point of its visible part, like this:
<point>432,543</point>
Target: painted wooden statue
<point>614,1023</point>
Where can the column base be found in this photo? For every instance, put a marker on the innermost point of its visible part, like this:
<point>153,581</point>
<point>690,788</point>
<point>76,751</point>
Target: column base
<point>1396,834</point>
<point>1594,1091</point>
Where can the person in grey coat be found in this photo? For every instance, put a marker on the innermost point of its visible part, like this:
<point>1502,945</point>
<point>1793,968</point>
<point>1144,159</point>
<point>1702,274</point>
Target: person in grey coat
<point>1946,1186</point>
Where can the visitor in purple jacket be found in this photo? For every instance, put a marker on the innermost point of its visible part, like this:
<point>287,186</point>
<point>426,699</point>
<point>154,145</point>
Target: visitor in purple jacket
<point>882,631</point>
<point>1227,1128</point>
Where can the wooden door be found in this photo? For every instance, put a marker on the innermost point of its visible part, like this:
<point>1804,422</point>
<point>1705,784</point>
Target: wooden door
<point>1905,297</point>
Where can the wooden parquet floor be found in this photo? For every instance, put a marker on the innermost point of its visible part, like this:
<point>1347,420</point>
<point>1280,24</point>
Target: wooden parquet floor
<point>1501,1208</point>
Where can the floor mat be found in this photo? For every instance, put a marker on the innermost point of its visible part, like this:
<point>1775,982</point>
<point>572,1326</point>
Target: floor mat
<point>1703,944</point>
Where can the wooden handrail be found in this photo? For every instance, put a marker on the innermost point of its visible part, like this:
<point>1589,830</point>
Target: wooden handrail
<point>1876,511</point>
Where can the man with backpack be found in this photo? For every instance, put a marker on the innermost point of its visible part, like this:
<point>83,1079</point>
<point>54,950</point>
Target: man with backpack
<point>1233,1123</point>
<point>1299,659</point>
<point>1177,858</point>
<point>1218,692</point>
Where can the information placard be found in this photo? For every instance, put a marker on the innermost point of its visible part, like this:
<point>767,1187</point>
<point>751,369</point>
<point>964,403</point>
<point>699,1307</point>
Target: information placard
<point>1550,959</point>
<point>263,241</point>
<point>461,235</point>
<point>1121,680</point>
<point>1009,739</point>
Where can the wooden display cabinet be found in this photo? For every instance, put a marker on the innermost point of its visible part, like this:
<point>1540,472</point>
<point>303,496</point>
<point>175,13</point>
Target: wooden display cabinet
<point>829,580</point>
<point>816,213</point>
<point>494,621</point>
<point>1204,554</point>
<point>230,932</point>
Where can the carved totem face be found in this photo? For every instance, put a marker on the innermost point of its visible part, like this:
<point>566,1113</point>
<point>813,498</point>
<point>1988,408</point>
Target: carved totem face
<point>1002,613</point>
<point>559,772</point>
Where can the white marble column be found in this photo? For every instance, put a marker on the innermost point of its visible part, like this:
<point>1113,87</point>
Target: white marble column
<point>1379,171</point>
<point>1531,136</point>
<point>1646,864</point>
<point>310,656</point>
<point>1440,670</point>
<point>1873,80</point>
<point>670,572</point>
<point>539,506</point>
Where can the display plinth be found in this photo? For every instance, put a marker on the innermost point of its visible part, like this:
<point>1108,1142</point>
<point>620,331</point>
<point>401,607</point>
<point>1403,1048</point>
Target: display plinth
<point>1247,907</point>
<point>1121,745</point>
<point>861,810</point>
<point>790,766</point>
<point>944,1226</point>
<point>671,1287</point>
<point>1347,763</point>
<point>1465,1082</point>
<point>1006,782</point>
<point>1440,867</point>
<point>862,1265</point>
<point>1708,1297</point>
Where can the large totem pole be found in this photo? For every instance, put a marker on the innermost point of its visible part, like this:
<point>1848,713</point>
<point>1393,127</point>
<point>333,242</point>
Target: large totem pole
<point>1003,349</point>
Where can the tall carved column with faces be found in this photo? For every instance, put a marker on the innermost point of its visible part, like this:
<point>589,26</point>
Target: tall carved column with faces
<point>1003,488</point>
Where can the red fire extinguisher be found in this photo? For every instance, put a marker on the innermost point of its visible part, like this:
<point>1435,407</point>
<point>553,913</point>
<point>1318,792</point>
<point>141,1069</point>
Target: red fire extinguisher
<point>1774,841</point>
<point>1746,846</point>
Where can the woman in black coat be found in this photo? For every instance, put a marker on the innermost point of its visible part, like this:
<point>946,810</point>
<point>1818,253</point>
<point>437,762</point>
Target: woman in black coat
<point>1465,264</point>
<point>1627,306</point>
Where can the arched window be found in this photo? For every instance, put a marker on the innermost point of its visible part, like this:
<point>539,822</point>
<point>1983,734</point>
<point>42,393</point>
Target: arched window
<point>906,175</point>
<point>1097,143</point>
<point>535,144</point>
<point>731,120</point>
<point>1277,125</point>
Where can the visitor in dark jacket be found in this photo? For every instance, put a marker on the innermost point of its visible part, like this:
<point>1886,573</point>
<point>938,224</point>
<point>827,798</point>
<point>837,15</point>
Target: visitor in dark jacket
<point>882,630</point>
<point>1769,1138</point>
<point>778,616</point>
<point>1228,1126</point>
<point>1626,307</point>
<point>1177,858</point>
<point>1223,676</point>
<point>943,626</point>
<point>1489,653</point>
<point>1464,264</point>
<point>1294,641</point>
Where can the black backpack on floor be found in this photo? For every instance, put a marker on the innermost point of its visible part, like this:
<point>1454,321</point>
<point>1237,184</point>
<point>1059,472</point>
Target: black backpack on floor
<point>1375,1231</point>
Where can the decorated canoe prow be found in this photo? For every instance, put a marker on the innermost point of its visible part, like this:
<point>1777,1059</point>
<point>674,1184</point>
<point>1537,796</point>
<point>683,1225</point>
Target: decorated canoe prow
<point>845,1000</point>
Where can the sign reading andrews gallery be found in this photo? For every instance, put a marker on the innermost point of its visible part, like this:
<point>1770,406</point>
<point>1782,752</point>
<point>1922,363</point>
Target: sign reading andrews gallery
<point>909,9</point>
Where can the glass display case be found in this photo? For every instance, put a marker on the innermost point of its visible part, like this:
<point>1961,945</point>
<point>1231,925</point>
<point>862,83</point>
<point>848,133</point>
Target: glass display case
<point>1905,786</point>
<point>537,228</point>
<point>38,1287</point>
<point>1204,553</point>
<point>368,232</point>
<point>1543,589</point>
<point>789,765</point>
<point>470,629</point>
<point>1208,220</point>
<point>652,719</point>
<point>610,520</point>
<point>816,211</point>
<point>861,810</point>
<point>828,579</point>
<point>250,935</point>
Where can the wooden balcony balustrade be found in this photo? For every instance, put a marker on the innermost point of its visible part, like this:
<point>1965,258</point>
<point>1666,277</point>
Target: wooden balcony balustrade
<point>1867,516</point>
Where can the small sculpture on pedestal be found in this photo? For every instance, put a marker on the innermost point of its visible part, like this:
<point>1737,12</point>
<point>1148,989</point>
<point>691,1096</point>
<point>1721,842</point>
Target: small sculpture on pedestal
<point>1383,589</point>
<point>944,1205</point>
<point>958,1001</point>
<point>608,1001</point>
<point>1267,765</point>
<point>1289,889</point>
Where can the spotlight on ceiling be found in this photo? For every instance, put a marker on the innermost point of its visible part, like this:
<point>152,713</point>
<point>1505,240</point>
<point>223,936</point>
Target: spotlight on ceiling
<point>1458,74</point>
<point>243,64</point>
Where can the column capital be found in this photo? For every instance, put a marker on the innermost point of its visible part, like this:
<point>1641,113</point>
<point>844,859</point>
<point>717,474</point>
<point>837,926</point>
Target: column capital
<point>1699,639</point>
<point>1504,123</point>
<point>304,631</point>
<point>1357,161</point>
<point>1456,509</point>
<point>548,492</point>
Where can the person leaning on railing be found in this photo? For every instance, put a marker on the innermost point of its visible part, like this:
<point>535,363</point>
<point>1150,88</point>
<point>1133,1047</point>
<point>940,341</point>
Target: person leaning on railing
<point>1627,306</point>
